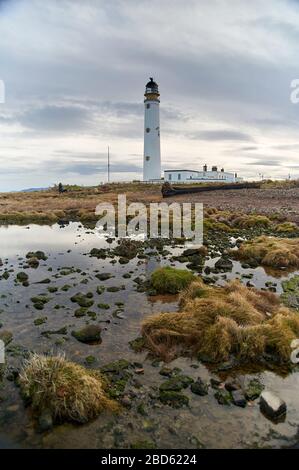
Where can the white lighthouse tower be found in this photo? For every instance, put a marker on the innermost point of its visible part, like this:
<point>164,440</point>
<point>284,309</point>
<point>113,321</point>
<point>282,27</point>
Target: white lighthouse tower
<point>151,157</point>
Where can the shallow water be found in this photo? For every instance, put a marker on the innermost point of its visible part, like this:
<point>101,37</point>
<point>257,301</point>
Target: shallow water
<point>204,423</point>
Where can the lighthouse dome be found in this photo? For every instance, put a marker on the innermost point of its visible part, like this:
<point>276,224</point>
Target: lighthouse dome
<point>151,86</point>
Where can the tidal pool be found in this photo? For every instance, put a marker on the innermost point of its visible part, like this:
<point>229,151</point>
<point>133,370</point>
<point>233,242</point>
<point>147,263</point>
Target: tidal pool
<point>204,423</point>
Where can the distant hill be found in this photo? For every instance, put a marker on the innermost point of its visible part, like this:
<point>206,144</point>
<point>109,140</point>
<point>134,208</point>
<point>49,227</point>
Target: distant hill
<point>30,190</point>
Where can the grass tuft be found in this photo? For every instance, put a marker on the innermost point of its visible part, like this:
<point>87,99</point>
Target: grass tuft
<point>170,280</point>
<point>68,390</point>
<point>218,322</point>
<point>270,251</point>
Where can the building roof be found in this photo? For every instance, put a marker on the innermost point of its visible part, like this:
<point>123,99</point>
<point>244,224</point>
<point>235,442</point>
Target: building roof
<point>194,171</point>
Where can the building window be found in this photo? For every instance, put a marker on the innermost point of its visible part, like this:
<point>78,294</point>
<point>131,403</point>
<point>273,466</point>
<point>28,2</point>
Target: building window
<point>179,176</point>
<point>169,177</point>
<point>147,159</point>
<point>147,129</point>
<point>148,106</point>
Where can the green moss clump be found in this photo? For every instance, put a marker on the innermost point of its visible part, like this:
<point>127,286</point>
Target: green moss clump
<point>176,383</point>
<point>83,300</point>
<point>290,294</point>
<point>40,321</point>
<point>22,277</point>
<point>40,255</point>
<point>103,306</point>
<point>143,444</point>
<point>137,344</point>
<point>173,399</point>
<point>170,280</point>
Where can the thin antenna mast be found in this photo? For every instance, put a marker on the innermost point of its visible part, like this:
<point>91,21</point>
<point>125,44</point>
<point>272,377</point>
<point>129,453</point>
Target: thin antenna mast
<point>108,165</point>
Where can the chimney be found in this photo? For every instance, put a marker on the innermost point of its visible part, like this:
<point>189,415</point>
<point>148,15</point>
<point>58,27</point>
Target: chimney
<point>205,168</point>
<point>214,168</point>
<point>222,170</point>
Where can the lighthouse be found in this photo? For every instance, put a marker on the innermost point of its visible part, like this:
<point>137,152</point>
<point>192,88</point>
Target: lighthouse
<point>151,156</point>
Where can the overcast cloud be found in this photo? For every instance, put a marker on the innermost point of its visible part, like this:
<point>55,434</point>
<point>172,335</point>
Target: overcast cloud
<point>75,74</point>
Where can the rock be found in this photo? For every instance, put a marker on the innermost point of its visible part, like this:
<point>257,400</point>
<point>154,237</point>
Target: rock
<point>253,389</point>
<point>239,398</point>
<point>215,383</point>
<point>60,331</point>
<point>166,371</point>
<point>116,366</point>
<point>33,263</point>
<point>22,277</point>
<point>40,255</point>
<point>227,365</point>
<point>176,383</point>
<point>45,421</point>
<point>114,288</point>
<point>99,253</point>
<point>40,321</point>
<point>103,276</point>
<point>174,399</point>
<point>224,264</point>
<point>223,397</point>
<point>199,387</point>
<point>272,406</point>
<point>232,385</point>
<point>90,334</point>
<point>83,300</point>
<point>80,312</point>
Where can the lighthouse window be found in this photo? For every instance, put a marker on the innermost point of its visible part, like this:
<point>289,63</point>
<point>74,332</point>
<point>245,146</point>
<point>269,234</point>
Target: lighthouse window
<point>147,159</point>
<point>147,129</point>
<point>148,106</point>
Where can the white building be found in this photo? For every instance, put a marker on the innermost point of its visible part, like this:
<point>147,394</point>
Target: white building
<point>193,176</point>
<point>151,155</point>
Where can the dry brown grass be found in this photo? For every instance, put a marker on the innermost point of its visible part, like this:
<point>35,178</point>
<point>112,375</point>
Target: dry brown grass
<point>220,321</point>
<point>68,390</point>
<point>270,251</point>
<point>42,206</point>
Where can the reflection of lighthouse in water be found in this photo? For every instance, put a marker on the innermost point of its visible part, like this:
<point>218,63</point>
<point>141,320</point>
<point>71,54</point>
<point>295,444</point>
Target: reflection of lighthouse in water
<point>151,157</point>
<point>151,264</point>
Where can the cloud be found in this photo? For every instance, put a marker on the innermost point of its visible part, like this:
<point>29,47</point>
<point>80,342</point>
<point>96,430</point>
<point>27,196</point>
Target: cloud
<point>75,75</point>
<point>56,118</point>
<point>221,135</point>
<point>266,162</point>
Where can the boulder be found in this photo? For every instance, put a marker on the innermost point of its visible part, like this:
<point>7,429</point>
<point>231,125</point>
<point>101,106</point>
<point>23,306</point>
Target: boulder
<point>272,406</point>
<point>224,264</point>
<point>239,398</point>
<point>199,387</point>
<point>90,334</point>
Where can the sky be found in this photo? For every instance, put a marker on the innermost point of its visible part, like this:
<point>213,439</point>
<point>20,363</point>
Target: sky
<point>75,74</point>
